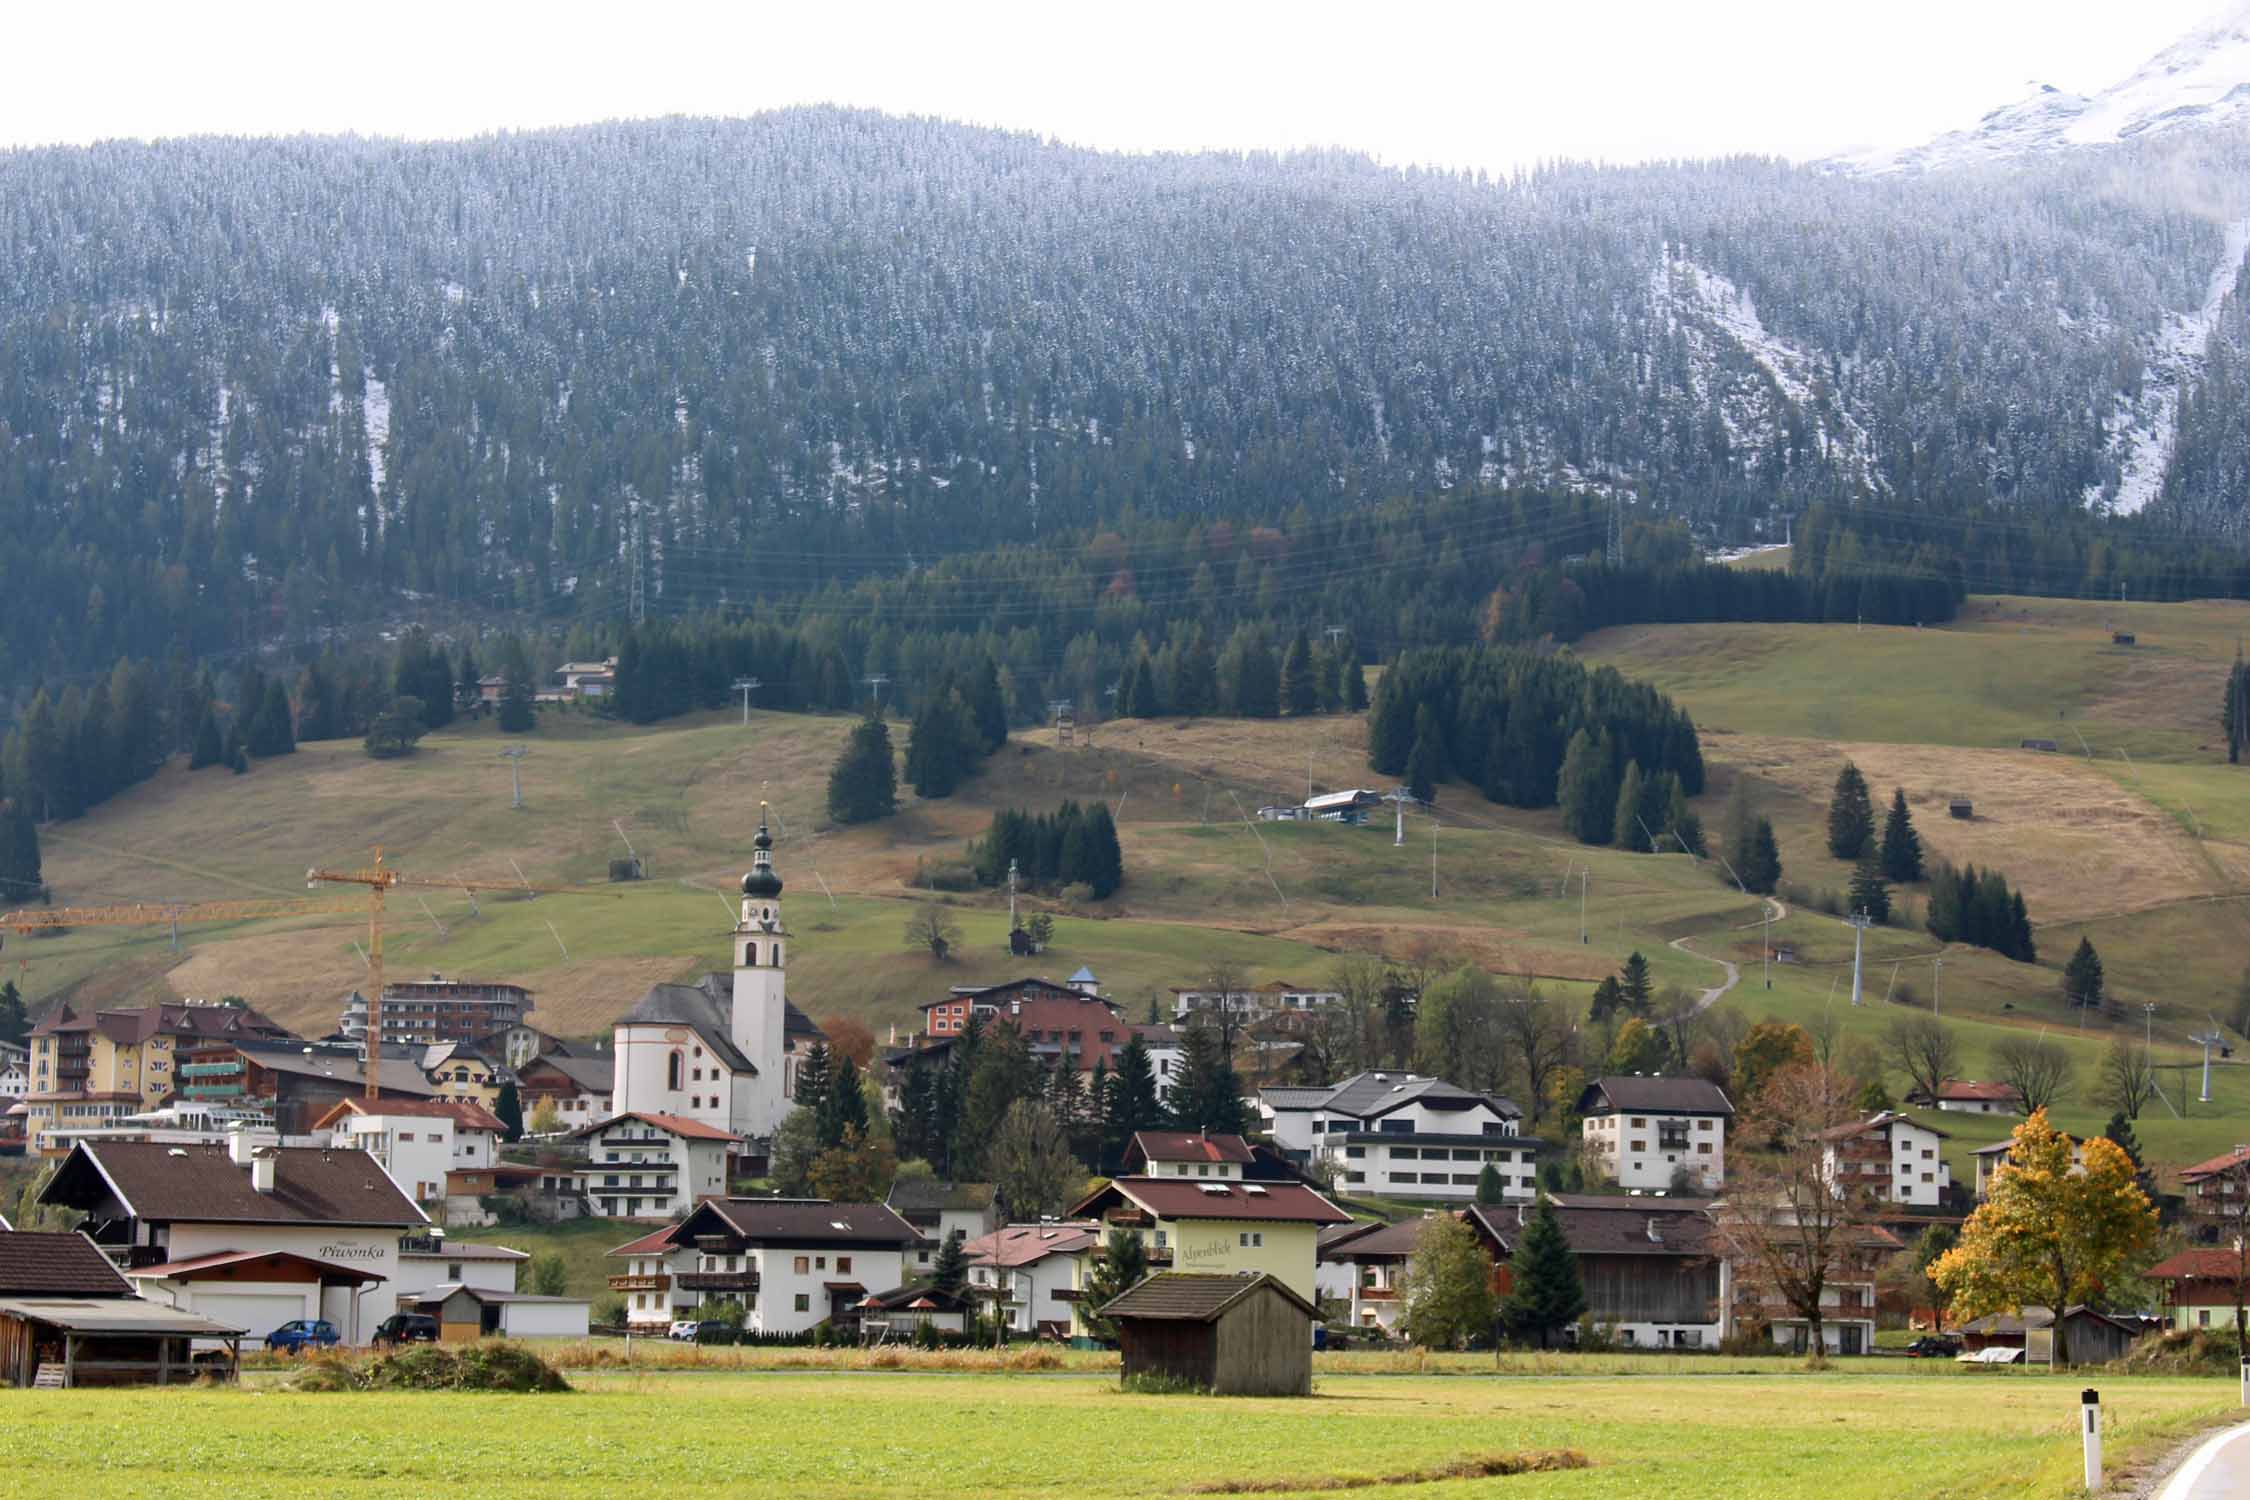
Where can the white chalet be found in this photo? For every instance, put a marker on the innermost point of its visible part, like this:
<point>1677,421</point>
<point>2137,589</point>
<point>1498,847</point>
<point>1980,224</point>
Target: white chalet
<point>1031,1273</point>
<point>1403,1135</point>
<point>793,1263</point>
<point>1895,1158</point>
<point>722,1052</point>
<point>1646,1129</point>
<point>417,1141</point>
<point>647,1165</point>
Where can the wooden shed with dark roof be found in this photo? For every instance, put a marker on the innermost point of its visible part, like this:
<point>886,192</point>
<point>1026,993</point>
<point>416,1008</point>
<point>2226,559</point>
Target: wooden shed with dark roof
<point>1229,1335</point>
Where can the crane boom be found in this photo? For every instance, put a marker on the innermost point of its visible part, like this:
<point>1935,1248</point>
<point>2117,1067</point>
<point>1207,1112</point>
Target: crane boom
<point>379,878</point>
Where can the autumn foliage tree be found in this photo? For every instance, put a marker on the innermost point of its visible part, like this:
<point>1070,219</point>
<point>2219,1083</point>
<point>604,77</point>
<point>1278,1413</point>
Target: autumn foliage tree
<point>1791,1228</point>
<point>2047,1235</point>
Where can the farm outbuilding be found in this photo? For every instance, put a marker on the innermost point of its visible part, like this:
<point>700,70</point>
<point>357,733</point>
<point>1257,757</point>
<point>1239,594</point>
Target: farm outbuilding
<point>71,1341</point>
<point>474,1312</point>
<point>1229,1335</point>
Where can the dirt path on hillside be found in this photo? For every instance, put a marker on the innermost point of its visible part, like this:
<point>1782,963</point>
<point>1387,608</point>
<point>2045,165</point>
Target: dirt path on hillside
<point>1711,996</point>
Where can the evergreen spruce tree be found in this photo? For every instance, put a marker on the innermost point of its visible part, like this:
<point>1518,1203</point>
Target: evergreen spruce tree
<point>273,731</point>
<point>1869,892</point>
<point>1141,700</point>
<point>812,1077</point>
<point>863,785</point>
<point>911,1126</point>
<point>508,1109</point>
<point>843,1106</point>
<point>1132,1104</point>
<point>1103,859</point>
<point>1121,1265</point>
<point>1625,827</point>
<point>1635,988</point>
<point>2120,1130</point>
<point>1902,846</point>
<point>1422,771</point>
<point>942,749</point>
<point>1195,688</point>
<point>988,706</point>
<point>1757,857</point>
<point>209,749</point>
<point>1851,816</point>
<point>1589,801</point>
<point>15,1017</point>
<point>1300,693</point>
<point>1607,998</point>
<point>950,1271</point>
<point>1207,1095</point>
<point>1492,1188</point>
<point>21,879</point>
<point>1352,679</point>
<point>2082,977</point>
<point>1546,1293</point>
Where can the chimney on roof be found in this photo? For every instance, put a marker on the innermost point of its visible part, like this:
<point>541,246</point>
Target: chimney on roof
<point>1655,1235</point>
<point>262,1166</point>
<point>240,1144</point>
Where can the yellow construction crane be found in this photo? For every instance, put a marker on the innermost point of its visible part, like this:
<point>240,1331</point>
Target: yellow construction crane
<point>379,878</point>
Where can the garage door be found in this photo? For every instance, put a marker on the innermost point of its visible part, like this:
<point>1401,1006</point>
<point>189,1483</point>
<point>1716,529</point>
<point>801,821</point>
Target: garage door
<point>260,1314</point>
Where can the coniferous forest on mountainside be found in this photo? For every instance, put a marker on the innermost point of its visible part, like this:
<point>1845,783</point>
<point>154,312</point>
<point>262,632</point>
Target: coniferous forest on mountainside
<point>272,391</point>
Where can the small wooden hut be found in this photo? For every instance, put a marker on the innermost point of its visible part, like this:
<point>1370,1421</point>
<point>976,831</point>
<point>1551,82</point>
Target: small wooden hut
<point>1229,1335</point>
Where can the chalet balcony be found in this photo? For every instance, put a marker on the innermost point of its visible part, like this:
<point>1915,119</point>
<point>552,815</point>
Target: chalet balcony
<point>730,1283</point>
<point>640,1283</point>
<point>1378,1294</point>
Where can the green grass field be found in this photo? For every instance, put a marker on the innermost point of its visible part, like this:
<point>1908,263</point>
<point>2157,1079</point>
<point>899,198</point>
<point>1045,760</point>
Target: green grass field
<point>1846,1437</point>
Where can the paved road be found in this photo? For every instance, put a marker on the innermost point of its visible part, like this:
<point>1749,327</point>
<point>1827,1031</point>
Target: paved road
<point>2218,1470</point>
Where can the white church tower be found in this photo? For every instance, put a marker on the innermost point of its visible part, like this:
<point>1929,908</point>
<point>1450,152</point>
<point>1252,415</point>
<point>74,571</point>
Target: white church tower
<point>758,1021</point>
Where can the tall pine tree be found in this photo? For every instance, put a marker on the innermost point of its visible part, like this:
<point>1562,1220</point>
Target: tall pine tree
<point>1902,846</point>
<point>863,785</point>
<point>1851,815</point>
<point>1546,1293</point>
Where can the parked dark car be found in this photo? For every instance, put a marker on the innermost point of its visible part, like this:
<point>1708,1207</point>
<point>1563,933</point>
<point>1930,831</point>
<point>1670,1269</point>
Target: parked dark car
<point>406,1328</point>
<point>712,1331</point>
<point>299,1334</point>
<point>1933,1346</point>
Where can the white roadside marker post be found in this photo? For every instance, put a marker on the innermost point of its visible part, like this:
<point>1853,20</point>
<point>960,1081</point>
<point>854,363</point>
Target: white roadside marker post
<point>2246,1382</point>
<point>2090,1403</point>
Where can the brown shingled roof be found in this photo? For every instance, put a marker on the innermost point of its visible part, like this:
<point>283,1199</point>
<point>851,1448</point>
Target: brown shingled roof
<point>1189,1297</point>
<point>201,1185</point>
<point>56,1265</point>
<point>1204,1198</point>
<point>1187,1145</point>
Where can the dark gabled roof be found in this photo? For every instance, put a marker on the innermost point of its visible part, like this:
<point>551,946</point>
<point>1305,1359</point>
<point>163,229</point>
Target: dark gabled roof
<point>1667,1096</point>
<point>1333,1239</point>
<point>796,1221</point>
<point>201,1185</point>
<point>899,1299</point>
<point>2195,1265</point>
<point>991,993</point>
<point>1187,1297</point>
<point>397,1075</point>
<point>704,1007</point>
<point>1027,1244</point>
<point>56,1265</point>
<point>917,1198</point>
<point>1436,1093</point>
<point>1205,1198</point>
<point>707,1006</point>
<point>1362,1093</point>
<point>593,1075</point>
<point>1879,1124</point>
<point>1390,1239</point>
<point>1185,1145</point>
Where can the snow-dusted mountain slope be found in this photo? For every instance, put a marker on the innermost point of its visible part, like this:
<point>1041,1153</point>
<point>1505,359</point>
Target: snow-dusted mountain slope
<point>2202,80</point>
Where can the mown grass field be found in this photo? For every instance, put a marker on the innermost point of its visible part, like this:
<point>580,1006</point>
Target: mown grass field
<point>1846,1437</point>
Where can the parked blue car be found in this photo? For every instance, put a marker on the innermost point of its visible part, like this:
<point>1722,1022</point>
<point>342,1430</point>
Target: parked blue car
<point>300,1334</point>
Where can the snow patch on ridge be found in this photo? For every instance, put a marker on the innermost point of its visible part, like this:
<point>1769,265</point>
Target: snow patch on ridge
<point>1711,311</point>
<point>2144,432</point>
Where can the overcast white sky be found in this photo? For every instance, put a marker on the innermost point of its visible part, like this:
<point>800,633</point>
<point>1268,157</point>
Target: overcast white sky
<point>1493,84</point>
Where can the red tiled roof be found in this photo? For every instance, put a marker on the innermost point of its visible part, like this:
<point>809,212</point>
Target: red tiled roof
<point>2216,1164</point>
<point>173,1270</point>
<point>1194,1198</point>
<point>2195,1265</point>
<point>1189,1145</point>
<point>648,1244</point>
<point>467,1116</point>
<point>1023,1244</point>
<point>693,1130</point>
<point>1970,1089</point>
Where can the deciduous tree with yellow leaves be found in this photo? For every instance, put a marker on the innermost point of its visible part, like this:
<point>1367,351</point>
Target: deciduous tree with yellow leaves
<point>2047,1235</point>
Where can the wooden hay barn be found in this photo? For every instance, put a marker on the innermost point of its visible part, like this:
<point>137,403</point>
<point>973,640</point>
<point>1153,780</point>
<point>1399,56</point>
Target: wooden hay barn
<point>1229,1335</point>
<point>69,1341</point>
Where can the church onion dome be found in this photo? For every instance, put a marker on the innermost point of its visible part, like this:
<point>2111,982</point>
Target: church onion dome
<point>761,883</point>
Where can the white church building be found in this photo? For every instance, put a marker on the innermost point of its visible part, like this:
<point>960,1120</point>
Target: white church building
<point>722,1052</point>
